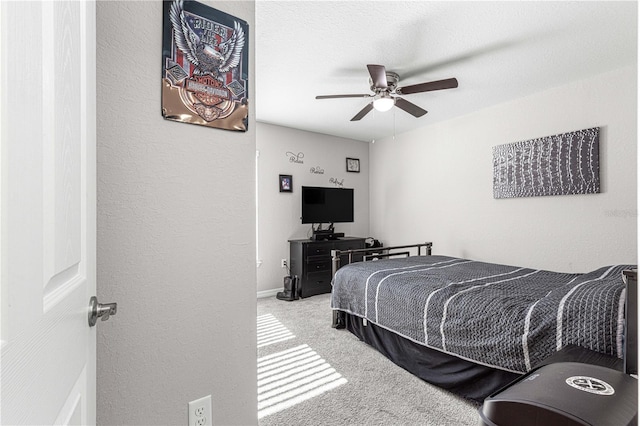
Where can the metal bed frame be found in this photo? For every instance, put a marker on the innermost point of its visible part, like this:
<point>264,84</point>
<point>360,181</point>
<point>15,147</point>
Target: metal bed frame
<point>630,278</point>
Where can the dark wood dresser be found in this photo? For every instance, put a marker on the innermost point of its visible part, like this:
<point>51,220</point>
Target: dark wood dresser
<point>311,262</point>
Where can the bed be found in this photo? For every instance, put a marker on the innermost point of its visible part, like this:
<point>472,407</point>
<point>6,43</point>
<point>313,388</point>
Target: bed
<point>473,327</point>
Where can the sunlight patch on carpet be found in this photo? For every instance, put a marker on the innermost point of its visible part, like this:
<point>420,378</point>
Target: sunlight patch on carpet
<point>271,331</point>
<point>292,376</point>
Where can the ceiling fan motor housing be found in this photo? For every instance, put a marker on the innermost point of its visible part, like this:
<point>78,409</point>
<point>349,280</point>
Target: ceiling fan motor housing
<point>392,83</point>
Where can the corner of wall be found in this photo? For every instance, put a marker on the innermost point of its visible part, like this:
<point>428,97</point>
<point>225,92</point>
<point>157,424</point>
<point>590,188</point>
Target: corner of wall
<point>312,159</point>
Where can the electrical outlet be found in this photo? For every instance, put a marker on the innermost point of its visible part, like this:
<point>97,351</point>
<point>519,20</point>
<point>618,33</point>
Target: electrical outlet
<point>283,263</point>
<point>200,412</point>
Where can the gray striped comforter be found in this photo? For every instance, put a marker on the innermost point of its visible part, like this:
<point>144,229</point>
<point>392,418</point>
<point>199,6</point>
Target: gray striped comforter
<point>500,316</point>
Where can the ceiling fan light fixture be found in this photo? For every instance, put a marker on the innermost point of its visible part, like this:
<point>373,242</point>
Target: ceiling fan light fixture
<point>383,103</point>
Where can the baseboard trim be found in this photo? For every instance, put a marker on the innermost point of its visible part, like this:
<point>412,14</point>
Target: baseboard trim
<point>268,293</point>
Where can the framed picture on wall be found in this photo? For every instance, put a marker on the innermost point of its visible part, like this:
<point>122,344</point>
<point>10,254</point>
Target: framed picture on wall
<point>353,165</point>
<point>286,183</point>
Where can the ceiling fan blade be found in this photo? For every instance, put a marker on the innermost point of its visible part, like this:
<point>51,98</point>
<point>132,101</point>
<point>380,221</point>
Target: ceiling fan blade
<point>378,75</point>
<point>341,96</point>
<point>364,111</point>
<point>409,107</point>
<point>448,83</point>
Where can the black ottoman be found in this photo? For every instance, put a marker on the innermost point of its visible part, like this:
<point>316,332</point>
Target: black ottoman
<point>567,394</point>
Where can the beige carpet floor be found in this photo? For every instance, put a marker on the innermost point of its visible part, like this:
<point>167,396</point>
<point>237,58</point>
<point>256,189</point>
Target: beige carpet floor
<point>312,374</point>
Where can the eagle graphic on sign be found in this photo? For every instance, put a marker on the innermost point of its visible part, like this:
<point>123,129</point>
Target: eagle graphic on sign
<point>209,56</point>
<point>204,66</point>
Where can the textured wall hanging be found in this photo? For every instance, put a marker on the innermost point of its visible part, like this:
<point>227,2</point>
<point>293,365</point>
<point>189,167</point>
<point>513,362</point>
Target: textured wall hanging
<point>554,165</point>
<point>205,63</point>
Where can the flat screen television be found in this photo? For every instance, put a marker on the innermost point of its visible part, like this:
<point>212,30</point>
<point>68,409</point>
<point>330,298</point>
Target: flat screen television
<point>327,205</point>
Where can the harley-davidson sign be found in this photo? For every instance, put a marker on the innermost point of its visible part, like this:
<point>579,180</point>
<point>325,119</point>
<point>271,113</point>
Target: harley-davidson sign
<point>204,66</point>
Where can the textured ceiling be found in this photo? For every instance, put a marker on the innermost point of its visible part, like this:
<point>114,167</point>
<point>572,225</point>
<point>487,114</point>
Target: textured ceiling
<point>498,51</point>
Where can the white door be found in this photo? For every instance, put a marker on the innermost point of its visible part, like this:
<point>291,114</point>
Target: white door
<point>47,212</point>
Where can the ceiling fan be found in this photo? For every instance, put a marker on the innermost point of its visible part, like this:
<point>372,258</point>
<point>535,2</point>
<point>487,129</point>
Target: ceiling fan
<point>384,85</point>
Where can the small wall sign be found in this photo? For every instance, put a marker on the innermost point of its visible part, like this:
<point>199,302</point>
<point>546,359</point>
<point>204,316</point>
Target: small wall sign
<point>337,182</point>
<point>295,158</point>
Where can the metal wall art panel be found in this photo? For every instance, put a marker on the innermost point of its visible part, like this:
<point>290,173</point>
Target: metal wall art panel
<point>554,165</point>
<point>205,63</point>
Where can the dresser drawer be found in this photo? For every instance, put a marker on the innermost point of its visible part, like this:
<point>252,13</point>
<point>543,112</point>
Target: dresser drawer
<point>319,250</point>
<point>319,278</point>
<point>319,265</point>
<point>316,283</point>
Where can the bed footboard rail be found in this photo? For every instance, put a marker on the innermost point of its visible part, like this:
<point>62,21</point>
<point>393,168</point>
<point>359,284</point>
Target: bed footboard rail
<point>337,256</point>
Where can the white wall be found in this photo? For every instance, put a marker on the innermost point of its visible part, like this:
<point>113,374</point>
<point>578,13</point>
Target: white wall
<point>279,212</point>
<point>436,183</point>
<point>176,240</point>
